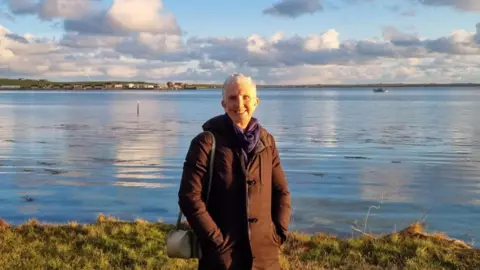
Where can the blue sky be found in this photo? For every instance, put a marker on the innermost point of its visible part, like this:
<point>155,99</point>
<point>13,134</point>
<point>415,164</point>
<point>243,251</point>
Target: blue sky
<point>363,22</point>
<point>242,18</point>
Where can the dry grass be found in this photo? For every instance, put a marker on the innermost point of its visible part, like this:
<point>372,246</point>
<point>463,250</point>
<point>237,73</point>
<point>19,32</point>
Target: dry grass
<point>113,244</point>
<point>410,248</point>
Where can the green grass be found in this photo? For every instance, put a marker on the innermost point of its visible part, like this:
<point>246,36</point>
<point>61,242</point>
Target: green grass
<point>23,83</point>
<point>113,244</point>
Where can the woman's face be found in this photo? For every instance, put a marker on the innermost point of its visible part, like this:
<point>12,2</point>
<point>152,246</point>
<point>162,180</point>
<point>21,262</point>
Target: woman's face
<point>240,101</point>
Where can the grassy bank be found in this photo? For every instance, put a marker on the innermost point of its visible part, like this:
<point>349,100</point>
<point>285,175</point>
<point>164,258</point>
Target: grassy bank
<point>113,244</point>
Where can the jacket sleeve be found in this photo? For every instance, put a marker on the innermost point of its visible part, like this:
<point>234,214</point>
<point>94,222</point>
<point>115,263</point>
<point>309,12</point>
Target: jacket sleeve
<point>190,192</point>
<point>281,199</point>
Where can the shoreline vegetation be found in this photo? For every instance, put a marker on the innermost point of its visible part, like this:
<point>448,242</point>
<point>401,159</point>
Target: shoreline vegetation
<point>28,84</point>
<point>109,243</point>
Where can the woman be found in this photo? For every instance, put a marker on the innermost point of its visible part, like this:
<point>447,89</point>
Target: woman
<point>249,205</point>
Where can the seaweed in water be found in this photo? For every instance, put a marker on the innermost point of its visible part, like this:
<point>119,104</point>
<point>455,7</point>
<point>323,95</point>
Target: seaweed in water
<point>111,160</point>
<point>72,127</point>
<point>46,163</point>
<point>356,157</point>
<point>53,171</point>
<point>27,199</point>
<point>75,145</point>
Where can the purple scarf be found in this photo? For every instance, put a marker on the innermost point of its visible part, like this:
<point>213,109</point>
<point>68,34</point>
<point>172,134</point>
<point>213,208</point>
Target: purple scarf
<point>248,139</point>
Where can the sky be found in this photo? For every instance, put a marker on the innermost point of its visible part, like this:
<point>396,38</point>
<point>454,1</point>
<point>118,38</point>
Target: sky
<point>274,41</point>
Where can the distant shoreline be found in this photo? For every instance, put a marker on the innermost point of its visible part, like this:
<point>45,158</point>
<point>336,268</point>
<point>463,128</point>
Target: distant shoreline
<point>258,86</point>
<point>371,85</point>
<point>22,84</point>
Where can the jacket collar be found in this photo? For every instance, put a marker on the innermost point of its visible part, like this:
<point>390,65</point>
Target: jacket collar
<point>220,127</point>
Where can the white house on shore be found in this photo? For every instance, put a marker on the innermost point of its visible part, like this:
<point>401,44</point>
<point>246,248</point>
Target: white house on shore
<point>140,86</point>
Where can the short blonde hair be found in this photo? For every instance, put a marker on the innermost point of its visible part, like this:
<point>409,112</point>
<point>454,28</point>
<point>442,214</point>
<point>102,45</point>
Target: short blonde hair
<point>238,78</point>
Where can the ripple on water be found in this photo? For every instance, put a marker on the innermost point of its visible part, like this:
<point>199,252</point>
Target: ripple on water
<point>340,151</point>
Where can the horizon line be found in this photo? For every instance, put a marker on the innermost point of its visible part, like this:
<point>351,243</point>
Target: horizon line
<point>258,85</point>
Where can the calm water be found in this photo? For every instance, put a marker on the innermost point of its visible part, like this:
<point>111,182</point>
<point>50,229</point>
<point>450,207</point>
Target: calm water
<point>79,154</point>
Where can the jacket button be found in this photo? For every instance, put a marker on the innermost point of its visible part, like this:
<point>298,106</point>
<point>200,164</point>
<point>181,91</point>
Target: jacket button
<point>251,182</point>
<point>253,220</point>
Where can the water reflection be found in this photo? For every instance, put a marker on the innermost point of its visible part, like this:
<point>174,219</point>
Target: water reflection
<point>6,136</point>
<point>388,181</point>
<point>142,148</point>
<point>323,121</point>
<point>79,154</point>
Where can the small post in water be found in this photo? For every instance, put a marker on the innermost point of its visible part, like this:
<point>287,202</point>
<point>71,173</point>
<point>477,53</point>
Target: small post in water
<point>138,108</point>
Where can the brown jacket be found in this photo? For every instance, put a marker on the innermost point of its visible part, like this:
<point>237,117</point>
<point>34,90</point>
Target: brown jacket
<point>248,209</point>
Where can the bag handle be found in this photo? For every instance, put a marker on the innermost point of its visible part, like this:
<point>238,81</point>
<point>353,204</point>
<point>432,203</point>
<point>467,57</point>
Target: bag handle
<point>210,176</point>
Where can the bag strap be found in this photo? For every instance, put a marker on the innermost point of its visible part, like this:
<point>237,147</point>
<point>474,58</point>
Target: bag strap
<point>210,176</point>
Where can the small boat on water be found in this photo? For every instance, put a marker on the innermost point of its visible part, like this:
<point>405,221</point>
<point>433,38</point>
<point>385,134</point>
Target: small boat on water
<point>380,90</point>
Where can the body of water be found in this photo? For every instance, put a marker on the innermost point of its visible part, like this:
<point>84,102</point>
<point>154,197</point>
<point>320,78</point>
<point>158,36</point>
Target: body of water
<point>412,152</point>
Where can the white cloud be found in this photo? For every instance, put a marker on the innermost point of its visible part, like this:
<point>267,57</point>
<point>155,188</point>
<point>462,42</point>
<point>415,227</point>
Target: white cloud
<point>159,43</point>
<point>209,65</point>
<point>279,58</point>
<point>256,44</point>
<point>143,16</point>
<point>327,40</point>
<point>121,72</point>
<point>75,40</point>
<point>5,54</point>
<point>125,17</point>
<point>396,36</point>
<point>156,47</point>
<point>26,45</point>
<point>459,42</point>
<point>3,30</point>
<point>413,61</point>
<point>27,67</point>
<point>165,72</point>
